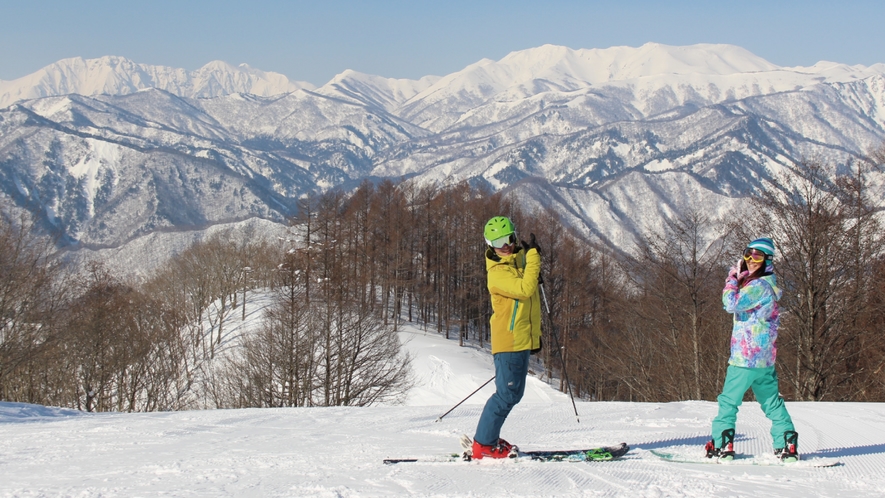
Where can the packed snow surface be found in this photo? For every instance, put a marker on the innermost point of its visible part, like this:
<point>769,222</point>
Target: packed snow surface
<point>339,451</point>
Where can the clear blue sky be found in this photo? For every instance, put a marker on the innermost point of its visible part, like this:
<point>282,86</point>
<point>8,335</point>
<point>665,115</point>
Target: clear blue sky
<point>312,41</point>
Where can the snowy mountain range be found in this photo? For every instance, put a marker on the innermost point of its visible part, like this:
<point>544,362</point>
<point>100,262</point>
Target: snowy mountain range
<point>108,150</point>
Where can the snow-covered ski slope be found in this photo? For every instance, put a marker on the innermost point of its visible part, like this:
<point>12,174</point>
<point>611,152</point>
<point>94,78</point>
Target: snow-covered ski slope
<point>338,452</point>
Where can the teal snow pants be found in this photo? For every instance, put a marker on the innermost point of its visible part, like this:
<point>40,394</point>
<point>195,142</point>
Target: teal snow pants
<point>763,381</point>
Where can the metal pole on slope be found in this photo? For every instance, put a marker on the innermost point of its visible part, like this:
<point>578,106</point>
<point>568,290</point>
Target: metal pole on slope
<point>559,351</point>
<point>465,399</point>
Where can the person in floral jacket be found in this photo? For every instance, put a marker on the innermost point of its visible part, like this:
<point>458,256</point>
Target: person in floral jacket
<point>751,294</point>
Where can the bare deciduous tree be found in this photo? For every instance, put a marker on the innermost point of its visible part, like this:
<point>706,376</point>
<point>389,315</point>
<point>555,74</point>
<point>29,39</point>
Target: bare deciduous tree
<point>33,296</point>
<point>828,238</point>
<point>679,276</point>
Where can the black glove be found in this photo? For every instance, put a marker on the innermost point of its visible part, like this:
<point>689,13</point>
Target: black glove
<point>540,346</point>
<point>532,244</point>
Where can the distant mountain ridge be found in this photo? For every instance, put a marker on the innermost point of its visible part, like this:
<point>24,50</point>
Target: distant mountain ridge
<point>120,76</point>
<point>616,140</point>
<point>563,68</point>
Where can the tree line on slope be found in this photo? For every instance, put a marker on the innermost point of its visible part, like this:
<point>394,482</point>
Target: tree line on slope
<point>644,326</point>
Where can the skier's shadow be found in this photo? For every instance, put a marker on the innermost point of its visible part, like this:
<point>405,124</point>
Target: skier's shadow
<point>699,441</point>
<point>868,449</point>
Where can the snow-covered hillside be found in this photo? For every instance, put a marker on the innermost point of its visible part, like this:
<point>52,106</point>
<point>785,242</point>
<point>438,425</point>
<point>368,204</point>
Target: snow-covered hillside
<point>339,451</point>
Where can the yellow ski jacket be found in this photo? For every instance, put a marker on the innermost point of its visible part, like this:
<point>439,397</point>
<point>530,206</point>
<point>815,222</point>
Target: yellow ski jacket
<point>516,301</point>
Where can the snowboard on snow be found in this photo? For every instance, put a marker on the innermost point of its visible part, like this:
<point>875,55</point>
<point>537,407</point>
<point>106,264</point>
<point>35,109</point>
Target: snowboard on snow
<point>694,455</point>
<point>601,454</point>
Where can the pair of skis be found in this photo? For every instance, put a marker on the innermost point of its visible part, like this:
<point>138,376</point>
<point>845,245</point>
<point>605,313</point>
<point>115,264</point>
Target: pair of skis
<point>601,454</point>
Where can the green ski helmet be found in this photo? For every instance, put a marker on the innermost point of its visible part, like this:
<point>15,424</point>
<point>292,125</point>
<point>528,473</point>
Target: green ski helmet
<point>498,227</point>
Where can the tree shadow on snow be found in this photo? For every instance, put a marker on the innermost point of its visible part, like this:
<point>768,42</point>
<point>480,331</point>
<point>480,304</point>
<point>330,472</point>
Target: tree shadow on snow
<point>689,440</point>
<point>823,453</point>
<point>868,449</point>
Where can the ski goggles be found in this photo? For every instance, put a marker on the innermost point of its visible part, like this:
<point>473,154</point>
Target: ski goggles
<point>503,241</point>
<point>754,256</point>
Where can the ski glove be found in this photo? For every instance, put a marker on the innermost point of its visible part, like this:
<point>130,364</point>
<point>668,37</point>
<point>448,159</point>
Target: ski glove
<point>732,282</point>
<point>734,270</point>
<point>532,244</point>
<point>540,347</point>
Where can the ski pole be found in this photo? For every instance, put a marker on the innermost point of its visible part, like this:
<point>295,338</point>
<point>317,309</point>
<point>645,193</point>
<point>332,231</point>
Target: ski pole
<point>559,351</point>
<point>465,399</point>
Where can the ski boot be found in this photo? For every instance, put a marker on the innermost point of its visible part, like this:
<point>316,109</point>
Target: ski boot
<point>726,449</point>
<point>790,452</point>
<point>502,449</point>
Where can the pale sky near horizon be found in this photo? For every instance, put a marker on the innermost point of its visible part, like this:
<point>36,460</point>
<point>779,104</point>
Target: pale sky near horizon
<point>313,41</point>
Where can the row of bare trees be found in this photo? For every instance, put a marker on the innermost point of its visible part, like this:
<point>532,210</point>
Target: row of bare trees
<point>84,341</point>
<point>91,341</point>
<point>643,326</point>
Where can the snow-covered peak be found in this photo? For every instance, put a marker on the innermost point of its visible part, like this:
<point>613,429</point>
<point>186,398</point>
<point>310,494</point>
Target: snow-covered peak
<point>657,76</point>
<point>525,73</point>
<point>569,69</point>
<point>623,63</point>
<point>349,77</point>
<point>386,93</point>
<point>119,76</point>
<point>834,72</point>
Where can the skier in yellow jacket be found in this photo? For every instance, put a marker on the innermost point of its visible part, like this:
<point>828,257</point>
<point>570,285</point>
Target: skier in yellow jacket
<point>513,280</point>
